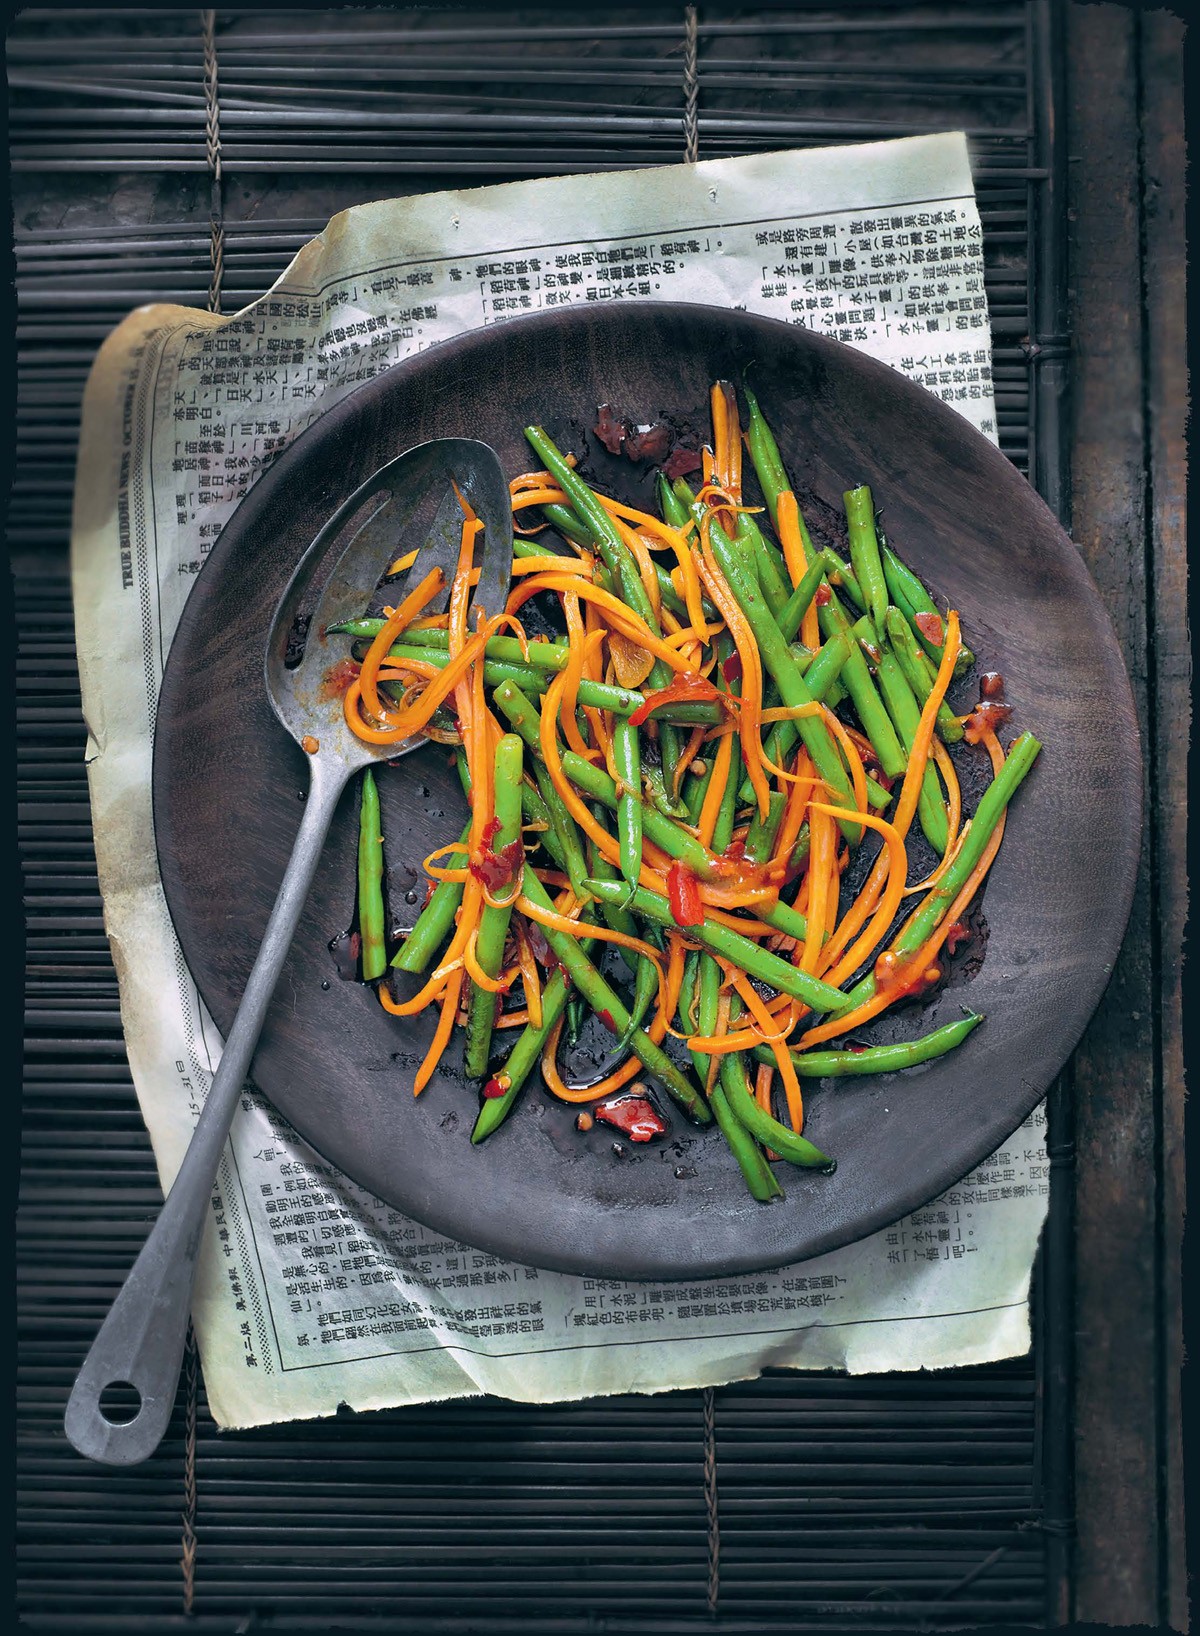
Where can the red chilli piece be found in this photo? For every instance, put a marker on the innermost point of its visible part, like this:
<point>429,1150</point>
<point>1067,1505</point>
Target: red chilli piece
<point>987,716</point>
<point>497,869</point>
<point>542,952</point>
<point>635,1116</point>
<point>687,688</point>
<point>648,442</point>
<point>822,595</point>
<point>681,462</point>
<point>606,1017</point>
<point>930,627</point>
<point>497,1086</point>
<point>731,669</point>
<point>958,933</point>
<point>610,428</point>
<point>683,895</point>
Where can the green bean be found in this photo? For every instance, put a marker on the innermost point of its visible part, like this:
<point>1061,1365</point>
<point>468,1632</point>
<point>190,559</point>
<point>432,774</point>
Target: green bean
<point>655,786</point>
<point>537,814</point>
<point>708,999</point>
<point>370,881</point>
<point>493,920</point>
<point>524,1056</point>
<point>878,1059</point>
<point>495,671</point>
<point>551,656</point>
<point>918,669</point>
<point>1022,754</point>
<point>820,673</point>
<point>503,654</point>
<point>765,457</point>
<point>433,925</point>
<point>619,561</point>
<point>791,615</point>
<point>759,1177</point>
<point>565,830</point>
<point>901,705</point>
<point>577,1015</point>
<point>760,838</point>
<point>614,917</point>
<point>842,575</point>
<point>662,831</point>
<point>864,552</point>
<point>523,718</point>
<point>723,940</point>
<point>774,584</point>
<point>628,761</point>
<point>672,507</point>
<point>689,990</point>
<point>876,723</point>
<point>910,596</point>
<point>757,1173</point>
<point>778,659</point>
<point>603,1000</point>
<point>797,1150</point>
<point>722,833</point>
<point>645,989</point>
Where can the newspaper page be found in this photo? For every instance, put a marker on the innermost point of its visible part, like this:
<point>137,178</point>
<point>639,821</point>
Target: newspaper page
<point>311,1293</point>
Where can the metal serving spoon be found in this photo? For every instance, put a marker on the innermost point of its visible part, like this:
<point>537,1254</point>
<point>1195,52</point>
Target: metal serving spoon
<point>140,1343</point>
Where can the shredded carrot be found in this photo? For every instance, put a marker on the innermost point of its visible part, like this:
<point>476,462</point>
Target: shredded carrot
<point>605,934</point>
<point>623,618</point>
<point>822,843</point>
<point>713,795</point>
<point>441,1034</point>
<point>573,675</point>
<point>752,679</point>
<point>391,628</point>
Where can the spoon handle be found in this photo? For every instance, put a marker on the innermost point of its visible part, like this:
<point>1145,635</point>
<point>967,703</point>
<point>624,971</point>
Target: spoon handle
<point>141,1341</point>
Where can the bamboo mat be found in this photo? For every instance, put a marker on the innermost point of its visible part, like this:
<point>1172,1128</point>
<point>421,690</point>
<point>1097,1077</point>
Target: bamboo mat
<point>184,156</point>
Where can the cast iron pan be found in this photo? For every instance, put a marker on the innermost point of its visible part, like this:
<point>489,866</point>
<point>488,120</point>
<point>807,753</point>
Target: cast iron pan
<point>228,783</point>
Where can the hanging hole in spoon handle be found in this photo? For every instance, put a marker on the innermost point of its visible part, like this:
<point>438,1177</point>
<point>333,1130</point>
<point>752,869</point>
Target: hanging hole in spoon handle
<point>135,1360</point>
<point>140,1344</point>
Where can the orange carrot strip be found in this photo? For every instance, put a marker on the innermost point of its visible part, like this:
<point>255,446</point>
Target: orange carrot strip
<point>391,628</point>
<point>530,979</point>
<point>897,865</point>
<point>548,565</point>
<point>573,928</point>
<point>858,773</point>
<point>413,718</point>
<point>727,436</point>
<point>790,538</point>
<point>574,675</point>
<point>752,679</point>
<point>820,855</point>
<point>622,618</point>
<point>441,1035</point>
<point>953,790</point>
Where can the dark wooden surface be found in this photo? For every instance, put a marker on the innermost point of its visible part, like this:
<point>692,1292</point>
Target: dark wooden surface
<point>1126,278</point>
